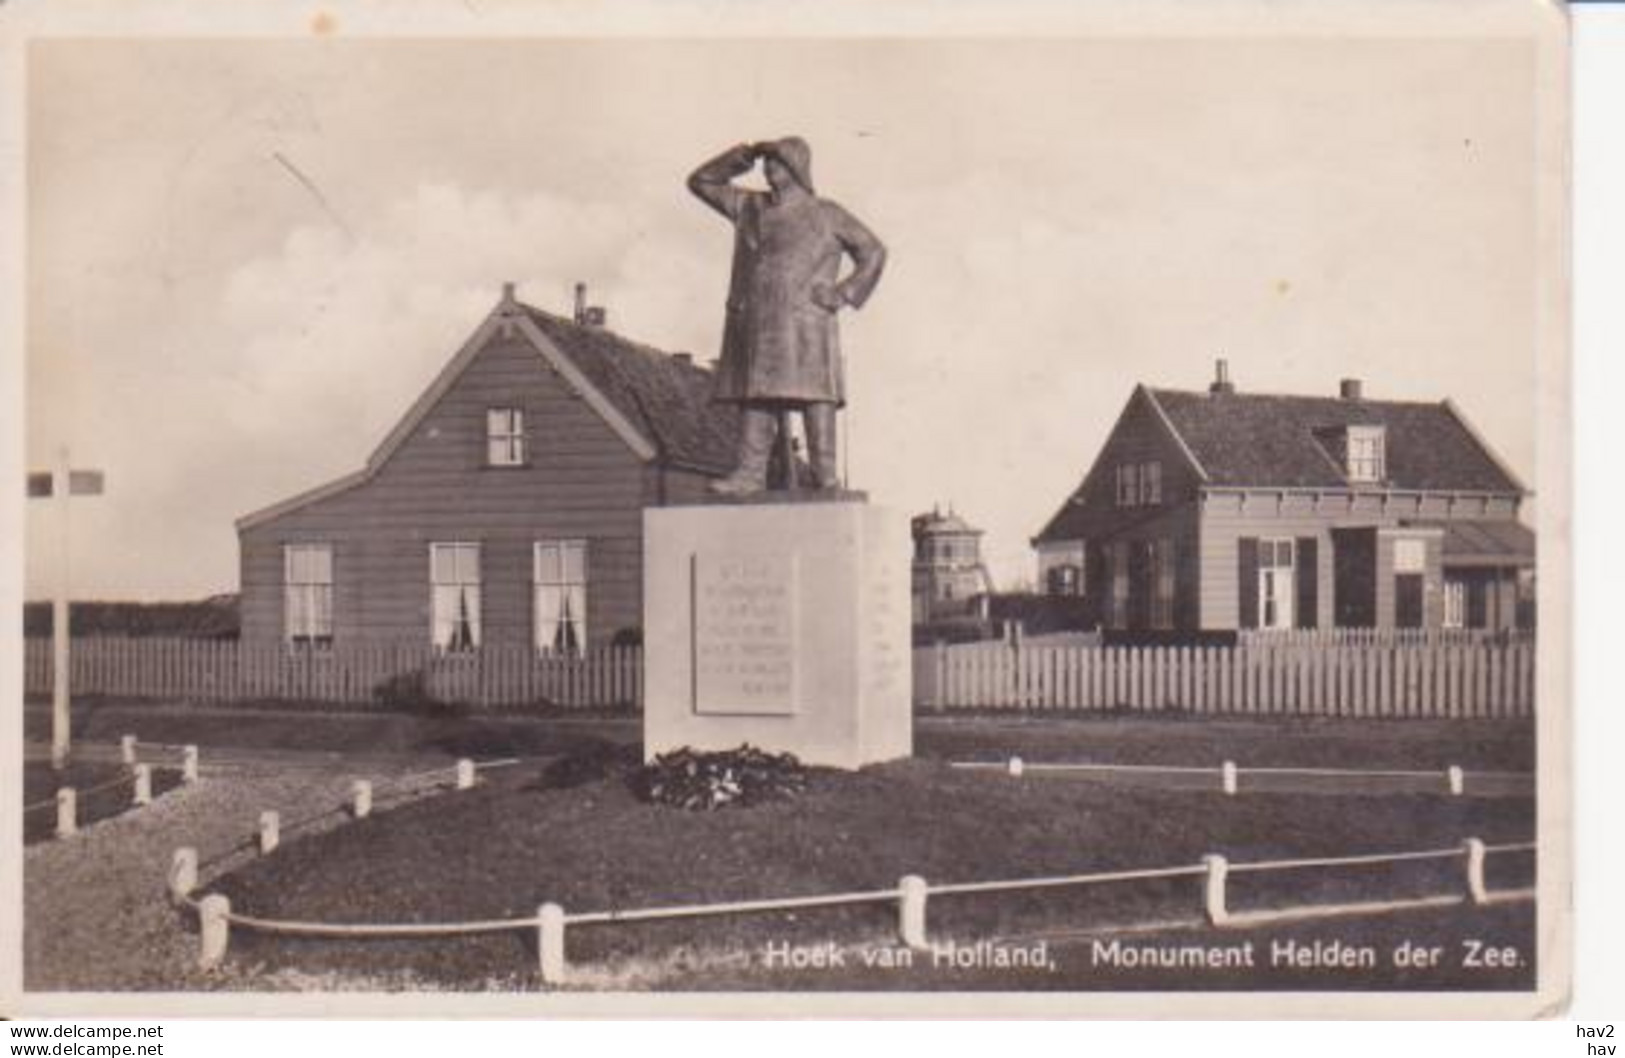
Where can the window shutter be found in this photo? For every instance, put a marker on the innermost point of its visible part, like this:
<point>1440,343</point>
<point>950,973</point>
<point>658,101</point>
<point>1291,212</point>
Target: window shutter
<point>1308,578</point>
<point>1247,580</point>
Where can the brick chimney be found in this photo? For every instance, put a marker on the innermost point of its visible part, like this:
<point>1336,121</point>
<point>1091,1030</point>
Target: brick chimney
<point>1350,389</point>
<point>1221,377</point>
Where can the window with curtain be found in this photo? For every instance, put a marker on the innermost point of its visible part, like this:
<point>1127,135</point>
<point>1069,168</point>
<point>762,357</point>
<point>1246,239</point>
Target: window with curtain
<point>560,581</point>
<point>308,594</point>
<point>454,575</point>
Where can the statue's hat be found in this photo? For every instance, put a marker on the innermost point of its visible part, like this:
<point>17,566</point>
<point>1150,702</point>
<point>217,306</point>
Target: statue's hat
<point>796,155</point>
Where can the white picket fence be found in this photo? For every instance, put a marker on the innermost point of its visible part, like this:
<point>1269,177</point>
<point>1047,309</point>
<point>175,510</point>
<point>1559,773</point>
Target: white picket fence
<point>495,676</point>
<point>1437,681</point>
<point>1479,678</point>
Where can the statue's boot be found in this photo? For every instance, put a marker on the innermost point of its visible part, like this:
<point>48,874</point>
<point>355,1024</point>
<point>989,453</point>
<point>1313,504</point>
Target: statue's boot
<point>756,431</point>
<point>819,420</point>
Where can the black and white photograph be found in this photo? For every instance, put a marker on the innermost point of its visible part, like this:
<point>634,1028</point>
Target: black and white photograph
<point>962,510</point>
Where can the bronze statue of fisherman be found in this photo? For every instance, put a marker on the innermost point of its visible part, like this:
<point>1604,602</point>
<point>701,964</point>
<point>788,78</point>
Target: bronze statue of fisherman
<point>781,347</point>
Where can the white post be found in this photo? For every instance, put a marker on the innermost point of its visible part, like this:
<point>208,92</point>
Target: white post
<point>912,892</point>
<point>1229,772</point>
<point>183,874</point>
<point>550,943</point>
<point>61,723</point>
<point>270,831</point>
<point>1458,781</point>
<point>189,764</point>
<point>361,799</point>
<point>126,749</point>
<point>1218,869</point>
<point>465,774</point>
<point>1017,767</point>
<point>67,812</point>
<point>214,929</point>
<point>1475,871</point>
<point>143,784</point>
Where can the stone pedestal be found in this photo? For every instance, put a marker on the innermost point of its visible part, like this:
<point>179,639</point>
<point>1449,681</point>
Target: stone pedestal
<point>784,625</point>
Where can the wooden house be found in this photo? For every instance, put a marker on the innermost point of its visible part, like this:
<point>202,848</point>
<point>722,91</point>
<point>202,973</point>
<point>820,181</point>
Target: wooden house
<point>1225,510</point>
<point>506,507</point>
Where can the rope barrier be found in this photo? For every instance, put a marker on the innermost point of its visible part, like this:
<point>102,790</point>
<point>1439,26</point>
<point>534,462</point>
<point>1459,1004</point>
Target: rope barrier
<point>1521,846</point>
<point>37,805</point>
<point>382,929</point>
<point>407,929</point>
<point>123,781</point>
<point>1395,773</point>
<point>1346,861</point>
<point>735,907</point>
<point>1064,880</point>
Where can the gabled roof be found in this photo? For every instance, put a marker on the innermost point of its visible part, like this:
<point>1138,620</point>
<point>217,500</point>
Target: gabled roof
<point>659,404</point>
<point>668,398</point>
<point>1270,441</point>
<point>1251,440</point>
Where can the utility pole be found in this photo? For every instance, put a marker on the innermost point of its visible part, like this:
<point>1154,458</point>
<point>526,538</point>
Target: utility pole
<point>61,484</point>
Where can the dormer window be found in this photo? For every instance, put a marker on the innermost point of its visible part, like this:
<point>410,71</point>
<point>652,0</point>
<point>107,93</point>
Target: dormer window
<point>504,437</point>
<point>1366,456</point>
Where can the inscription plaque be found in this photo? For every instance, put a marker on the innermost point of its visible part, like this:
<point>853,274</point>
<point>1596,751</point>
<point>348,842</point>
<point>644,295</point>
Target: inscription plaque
<point>744,622</point>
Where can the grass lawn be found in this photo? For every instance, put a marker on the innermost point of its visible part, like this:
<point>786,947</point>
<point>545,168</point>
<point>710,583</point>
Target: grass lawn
<point>1095,737</point>
<point>513,843</point>
<point>41,782</point>
<point>284,727</point>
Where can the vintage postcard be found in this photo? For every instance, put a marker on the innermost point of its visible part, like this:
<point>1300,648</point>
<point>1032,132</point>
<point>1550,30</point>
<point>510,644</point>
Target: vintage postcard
<point>895,508</point>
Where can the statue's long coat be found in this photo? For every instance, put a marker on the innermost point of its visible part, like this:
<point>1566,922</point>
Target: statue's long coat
<point>780,344</point>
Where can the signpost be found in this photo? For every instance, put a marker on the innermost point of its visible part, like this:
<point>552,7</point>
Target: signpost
<point>61,484</point>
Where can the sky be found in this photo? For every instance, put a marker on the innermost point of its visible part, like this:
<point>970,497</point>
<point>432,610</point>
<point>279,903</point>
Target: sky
<point>247,258</point>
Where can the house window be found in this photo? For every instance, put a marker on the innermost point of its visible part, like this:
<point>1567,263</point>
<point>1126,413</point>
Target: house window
<point>454,576</point>
<point>1128,485</point>
<point>561,596</point>
<point>1150,483</point>
<point>1455,604</point>
<point>1365,453</point>
<point>1064,580</point>
<point>1162,583</point>
<point>504,437</point>
<point>1276,584</point>
<point>308,594</point>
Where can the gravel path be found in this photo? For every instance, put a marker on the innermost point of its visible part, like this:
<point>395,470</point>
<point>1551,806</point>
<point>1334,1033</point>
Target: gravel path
<point>96,910</point>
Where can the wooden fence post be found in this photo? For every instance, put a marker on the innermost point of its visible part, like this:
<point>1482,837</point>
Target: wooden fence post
<point>143,784</point>
<point>126,749</point>
<point>912,892</point>
<point>465,774</point>
<point>183,874</point>
<point>1016,767</point>
<point>67,812</point>
<point>1218,870</point>
<point>1228,772</point>
<point>550,943</point>
<point>361,799</point>
<point>1457,780</point>
<point>214,929</point>
<point>189,764</point>
<point>270,831</point>
<point>1475,871</point>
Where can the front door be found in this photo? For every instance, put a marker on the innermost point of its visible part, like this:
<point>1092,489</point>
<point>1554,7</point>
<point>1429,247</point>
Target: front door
<point>1277,584</point>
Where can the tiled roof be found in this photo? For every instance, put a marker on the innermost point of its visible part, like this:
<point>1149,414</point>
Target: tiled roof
<point>667,399</point>
<point>1270,441</point>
